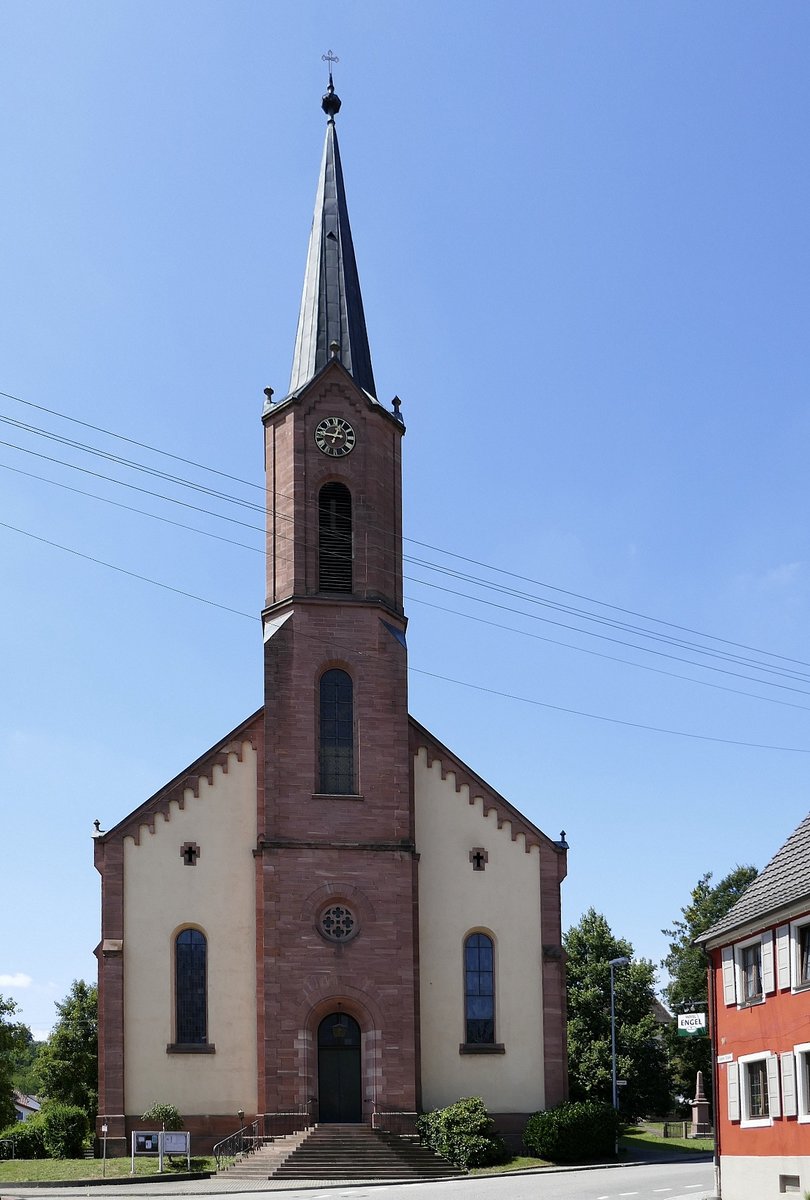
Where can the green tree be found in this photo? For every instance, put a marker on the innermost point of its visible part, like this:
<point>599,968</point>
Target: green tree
<point>24,1060</point>
<point>12,1038</point>
<point>686,966</point>
<point>640,1054</point>
<point>165,1115</point>
<point>68,1064</point>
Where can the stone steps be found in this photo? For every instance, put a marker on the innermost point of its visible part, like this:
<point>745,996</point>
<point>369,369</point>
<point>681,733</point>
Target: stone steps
<point>266,1160</point>
<point>359,1152</point>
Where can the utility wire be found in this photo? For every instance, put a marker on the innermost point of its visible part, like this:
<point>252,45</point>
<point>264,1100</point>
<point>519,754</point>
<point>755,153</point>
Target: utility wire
<point>475,581</point>
<point>450,591</point>
<point>141,512</point>
<point>134,487</point>
<point>167,587</point>
<point>607,638</point>
<point>702,737</point>
<point>128,462</point>
<point>131,441</point>
<point>426,603</point>
<point>609,657</point>
<point>419,671</point>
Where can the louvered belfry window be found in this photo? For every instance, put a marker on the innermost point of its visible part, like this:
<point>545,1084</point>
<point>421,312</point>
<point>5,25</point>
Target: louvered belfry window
<point>337,733</point>
<point>190,986</point>
<point>335,538</point>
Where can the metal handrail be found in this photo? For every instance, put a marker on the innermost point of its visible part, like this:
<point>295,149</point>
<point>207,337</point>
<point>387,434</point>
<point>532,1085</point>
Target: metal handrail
<point>389,1119</point>
<point>242,1142</point>
<point>292,1120</point>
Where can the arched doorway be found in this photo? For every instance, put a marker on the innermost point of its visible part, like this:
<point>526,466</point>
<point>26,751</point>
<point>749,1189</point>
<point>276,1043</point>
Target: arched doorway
<point>340,1095</point>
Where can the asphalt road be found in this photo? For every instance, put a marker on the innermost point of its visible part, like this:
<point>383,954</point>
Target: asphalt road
<point>648,1181</point>
<point>670,1181</point>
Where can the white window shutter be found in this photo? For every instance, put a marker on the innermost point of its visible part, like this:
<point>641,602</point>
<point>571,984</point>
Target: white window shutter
<point>789,1084</point>
<point>729,990</point>
<point>774,1104</point>
<point>733,1089</point>
<point>768,981</point>
<point>783,956</point>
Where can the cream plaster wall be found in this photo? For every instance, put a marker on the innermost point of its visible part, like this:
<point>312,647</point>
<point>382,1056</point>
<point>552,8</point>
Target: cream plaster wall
<point>502,900</point>
<point>217,895</point>
<point>754,1177</point>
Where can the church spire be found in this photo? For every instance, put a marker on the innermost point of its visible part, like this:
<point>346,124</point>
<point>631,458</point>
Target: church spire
<point>331,321</point>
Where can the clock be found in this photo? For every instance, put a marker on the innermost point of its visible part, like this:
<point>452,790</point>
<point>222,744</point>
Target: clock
<point>335,437</point>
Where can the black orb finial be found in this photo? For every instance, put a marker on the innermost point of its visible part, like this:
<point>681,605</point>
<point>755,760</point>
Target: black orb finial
<point>330,102</point>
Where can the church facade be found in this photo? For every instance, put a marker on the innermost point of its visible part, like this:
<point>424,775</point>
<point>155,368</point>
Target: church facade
<point>329,912</point>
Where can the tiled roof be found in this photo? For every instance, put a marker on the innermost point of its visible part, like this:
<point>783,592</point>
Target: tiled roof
<point>785,880</point>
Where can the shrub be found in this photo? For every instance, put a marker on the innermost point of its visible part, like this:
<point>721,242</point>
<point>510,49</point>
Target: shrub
<point>573,1131</point>
<point>29,1137</point>
<point>65,1128</point>
<point>165,1115</point>
<point>463,1133</point>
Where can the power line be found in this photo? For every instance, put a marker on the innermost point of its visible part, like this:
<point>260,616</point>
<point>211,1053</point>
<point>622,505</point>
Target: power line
<point>127,462</point>
<point>133,486</point>
<point>424,545</point>
<point>475,581</point>
<point>132,574</point>
<point>132,442</point>
<point>607,638</point>
<point>141,512</point>
<point>609,657</point>
<point>500,589</point>
<point>428,604</point>
<point>417,670</point>
<point>702,737</point>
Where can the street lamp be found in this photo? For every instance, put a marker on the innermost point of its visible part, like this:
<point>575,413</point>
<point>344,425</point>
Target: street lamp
<point>622,961</point>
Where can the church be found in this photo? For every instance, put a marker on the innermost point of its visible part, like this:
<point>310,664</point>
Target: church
<point>329,914</point>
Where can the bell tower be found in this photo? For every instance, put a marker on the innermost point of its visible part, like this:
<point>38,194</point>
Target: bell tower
<point>336,864</point>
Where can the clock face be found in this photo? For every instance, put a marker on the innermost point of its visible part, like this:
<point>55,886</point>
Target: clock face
<point>335,437</point>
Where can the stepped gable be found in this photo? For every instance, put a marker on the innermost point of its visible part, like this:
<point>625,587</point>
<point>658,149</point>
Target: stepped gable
<point>421,738</point>
<point>250,731</point>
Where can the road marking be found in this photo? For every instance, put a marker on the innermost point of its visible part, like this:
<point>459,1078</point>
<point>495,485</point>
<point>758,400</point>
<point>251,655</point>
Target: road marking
<point>628,1193</point>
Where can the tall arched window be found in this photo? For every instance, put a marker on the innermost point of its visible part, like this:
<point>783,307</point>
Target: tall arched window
<point>190,970</point>
<point>337,733</point>
<point>479,990</point>
<point>334,538</point>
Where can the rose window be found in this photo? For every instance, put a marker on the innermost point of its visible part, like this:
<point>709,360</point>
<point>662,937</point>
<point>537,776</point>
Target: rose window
<point>337,923</point>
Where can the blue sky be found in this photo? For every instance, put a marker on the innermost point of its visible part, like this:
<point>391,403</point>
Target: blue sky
<point>583,242</point>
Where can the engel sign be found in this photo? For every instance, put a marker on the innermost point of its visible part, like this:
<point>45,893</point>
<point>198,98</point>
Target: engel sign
<point>691,1025</point>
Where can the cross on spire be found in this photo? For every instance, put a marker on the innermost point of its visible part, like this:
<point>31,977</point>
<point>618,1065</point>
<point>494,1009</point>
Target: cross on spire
<point>330,58</point>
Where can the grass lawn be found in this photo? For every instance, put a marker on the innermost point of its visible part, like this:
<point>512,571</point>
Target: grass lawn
<point>33,1170</point>
<point>521,1163</point>
<point>641,1135</point>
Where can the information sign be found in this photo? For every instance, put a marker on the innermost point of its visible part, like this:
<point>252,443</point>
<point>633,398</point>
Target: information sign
<point>692,1025</point>
<point>176,1142</point>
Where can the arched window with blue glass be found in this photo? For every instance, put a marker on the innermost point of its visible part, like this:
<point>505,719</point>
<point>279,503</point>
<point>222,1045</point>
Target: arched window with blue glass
<point>479,990</point>
<point>190,975</point>
<point>336,733</point>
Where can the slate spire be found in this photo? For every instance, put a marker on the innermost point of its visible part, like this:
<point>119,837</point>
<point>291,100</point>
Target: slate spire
<point>331,321</point>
